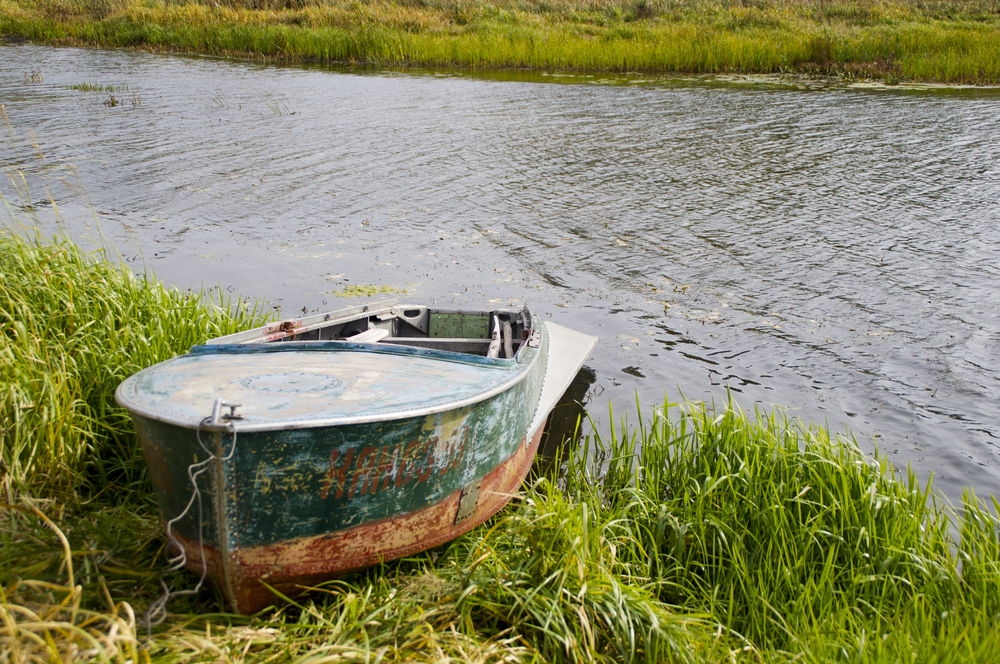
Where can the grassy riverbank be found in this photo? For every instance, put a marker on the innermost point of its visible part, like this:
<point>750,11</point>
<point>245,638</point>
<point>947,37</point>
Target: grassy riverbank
<point>948,41</point>
<point>712,536</point>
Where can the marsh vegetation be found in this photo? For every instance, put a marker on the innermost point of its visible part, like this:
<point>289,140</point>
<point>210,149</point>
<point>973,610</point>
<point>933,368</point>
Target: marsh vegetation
<point>98,87</point>
<point>950,41</point>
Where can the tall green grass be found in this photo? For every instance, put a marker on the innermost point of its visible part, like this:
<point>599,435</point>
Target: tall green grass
<point>72,327</point>
<point>707,536</point>
<point>800,544</point>
<point>953,41</point>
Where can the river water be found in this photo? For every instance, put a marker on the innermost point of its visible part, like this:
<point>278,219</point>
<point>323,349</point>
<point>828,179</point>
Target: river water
<point>833,253</point>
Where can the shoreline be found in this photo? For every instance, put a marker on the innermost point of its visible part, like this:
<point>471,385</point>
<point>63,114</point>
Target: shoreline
<point>781,81</point>
<point>894,43</point>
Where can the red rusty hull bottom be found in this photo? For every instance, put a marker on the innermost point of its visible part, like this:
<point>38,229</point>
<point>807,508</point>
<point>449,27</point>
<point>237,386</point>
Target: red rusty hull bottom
<point>292,566</point>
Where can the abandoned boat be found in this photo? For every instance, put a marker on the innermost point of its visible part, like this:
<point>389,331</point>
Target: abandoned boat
<point>309,448</point>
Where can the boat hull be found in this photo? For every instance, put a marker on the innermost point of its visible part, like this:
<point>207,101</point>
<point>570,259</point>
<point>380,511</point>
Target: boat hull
<point>285,508</point>
<point>250,576</point>
<point>340,452</point>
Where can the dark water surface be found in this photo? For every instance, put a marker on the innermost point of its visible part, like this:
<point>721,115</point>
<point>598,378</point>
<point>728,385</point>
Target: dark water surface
<point>833,253</point>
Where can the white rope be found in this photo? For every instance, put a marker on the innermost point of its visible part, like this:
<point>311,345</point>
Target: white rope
<point>156,613</point>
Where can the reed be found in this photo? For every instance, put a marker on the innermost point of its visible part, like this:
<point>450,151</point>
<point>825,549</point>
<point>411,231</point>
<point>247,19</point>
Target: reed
<point>952,41</point>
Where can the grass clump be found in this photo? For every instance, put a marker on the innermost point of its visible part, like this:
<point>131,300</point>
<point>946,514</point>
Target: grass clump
<point>952,41</point>
<point>799,544</point>
<point>72,327</point>
<point>98,87</point>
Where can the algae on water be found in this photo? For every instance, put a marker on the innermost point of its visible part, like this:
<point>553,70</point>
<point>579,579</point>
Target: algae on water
<point>366,290</point>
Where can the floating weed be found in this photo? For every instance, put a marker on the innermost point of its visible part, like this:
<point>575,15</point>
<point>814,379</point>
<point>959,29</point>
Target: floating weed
<point>113,101</point>
<point>366,290</point>
<point>98,87</point>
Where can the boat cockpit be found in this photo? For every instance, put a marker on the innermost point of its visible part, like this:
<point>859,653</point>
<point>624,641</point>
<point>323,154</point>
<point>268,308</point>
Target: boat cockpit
<point>499,333</point>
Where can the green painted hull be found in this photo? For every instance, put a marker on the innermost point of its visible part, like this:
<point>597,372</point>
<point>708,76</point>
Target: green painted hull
<point>295,483</point>
<point>295,504</point>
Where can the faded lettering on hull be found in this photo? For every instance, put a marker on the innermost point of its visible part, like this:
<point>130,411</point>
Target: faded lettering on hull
<point>372,469</point>
<point>292,565</point>
<point>314,480</point>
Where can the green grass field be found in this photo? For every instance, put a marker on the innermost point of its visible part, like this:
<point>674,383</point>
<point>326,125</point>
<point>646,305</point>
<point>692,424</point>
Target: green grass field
<point>950,41</point>
<point>693,534</point>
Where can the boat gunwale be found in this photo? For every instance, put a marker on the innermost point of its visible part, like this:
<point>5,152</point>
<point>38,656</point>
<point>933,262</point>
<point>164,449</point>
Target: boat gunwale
<point>395,348</point>
<point>267,333</point>
<point>515,367</point>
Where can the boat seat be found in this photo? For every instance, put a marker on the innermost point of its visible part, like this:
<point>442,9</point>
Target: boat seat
<point>474,346</point>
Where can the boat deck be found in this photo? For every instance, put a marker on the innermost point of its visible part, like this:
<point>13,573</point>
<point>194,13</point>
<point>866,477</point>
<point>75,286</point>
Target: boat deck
<point>296,385</point>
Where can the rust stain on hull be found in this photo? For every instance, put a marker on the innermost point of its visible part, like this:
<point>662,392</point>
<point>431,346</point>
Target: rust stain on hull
<point>293,565</point>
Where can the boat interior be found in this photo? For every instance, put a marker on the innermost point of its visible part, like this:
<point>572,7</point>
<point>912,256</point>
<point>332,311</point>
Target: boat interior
<point>499,333</point>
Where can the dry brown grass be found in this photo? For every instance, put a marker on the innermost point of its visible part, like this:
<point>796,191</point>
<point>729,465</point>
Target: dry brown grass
<point>42,621</point>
